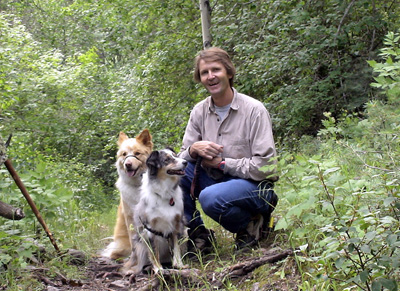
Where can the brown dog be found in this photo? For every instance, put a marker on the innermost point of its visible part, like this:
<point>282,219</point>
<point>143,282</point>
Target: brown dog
<point>131,165</point>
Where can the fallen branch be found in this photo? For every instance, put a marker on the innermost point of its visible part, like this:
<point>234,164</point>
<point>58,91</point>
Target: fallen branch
<point>242,269</point>
<point>195,277</point>
<point>248,266</point>
<point>10,212</point>
<point>32,204</point>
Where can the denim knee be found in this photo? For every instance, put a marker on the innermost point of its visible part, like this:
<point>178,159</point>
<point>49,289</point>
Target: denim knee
<point>209,204</point>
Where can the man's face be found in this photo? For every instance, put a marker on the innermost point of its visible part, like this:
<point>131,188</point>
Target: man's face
<point>214,77</point>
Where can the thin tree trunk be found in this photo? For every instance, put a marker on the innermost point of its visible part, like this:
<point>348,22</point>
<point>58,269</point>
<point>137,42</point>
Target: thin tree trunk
<point>205,11</point>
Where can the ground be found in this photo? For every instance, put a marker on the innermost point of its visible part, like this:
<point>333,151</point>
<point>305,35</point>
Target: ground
<point>268,267</point>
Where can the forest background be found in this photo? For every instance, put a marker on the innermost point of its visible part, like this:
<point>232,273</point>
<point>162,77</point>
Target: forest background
<point>73,74</point>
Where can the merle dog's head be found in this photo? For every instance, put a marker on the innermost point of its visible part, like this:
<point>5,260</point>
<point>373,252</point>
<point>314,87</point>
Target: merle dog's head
<point>165,163</point>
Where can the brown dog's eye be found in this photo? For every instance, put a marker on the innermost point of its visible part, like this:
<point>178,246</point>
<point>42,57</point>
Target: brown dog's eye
<point>124,154</point>
<point>137,154</point>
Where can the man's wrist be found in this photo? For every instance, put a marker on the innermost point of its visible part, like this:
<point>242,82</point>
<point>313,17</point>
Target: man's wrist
<point>192,155</point>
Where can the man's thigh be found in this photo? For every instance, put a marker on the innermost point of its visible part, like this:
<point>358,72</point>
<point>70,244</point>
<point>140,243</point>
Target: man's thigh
<point>235,192</point>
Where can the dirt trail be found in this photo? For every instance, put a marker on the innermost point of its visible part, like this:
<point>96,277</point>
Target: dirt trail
<point>102,274</point>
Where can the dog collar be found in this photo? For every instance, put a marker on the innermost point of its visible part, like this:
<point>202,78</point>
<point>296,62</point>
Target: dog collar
<point>158,233</point>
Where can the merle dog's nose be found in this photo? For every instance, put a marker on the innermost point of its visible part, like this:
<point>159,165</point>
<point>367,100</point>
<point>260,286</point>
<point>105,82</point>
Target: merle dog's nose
<point>184,162</point>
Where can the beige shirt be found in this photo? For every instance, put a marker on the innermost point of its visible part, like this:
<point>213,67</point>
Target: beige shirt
<point>245,132</point>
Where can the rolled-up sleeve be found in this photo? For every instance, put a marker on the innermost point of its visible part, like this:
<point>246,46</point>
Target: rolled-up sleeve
<point>192,134</point>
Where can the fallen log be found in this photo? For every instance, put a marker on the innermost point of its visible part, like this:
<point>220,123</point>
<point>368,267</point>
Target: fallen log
<point>243,268</point>
<point>10,212</point>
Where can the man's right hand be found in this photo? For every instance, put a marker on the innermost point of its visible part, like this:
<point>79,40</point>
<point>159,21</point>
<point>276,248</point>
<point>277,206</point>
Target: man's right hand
<point>205,149</point>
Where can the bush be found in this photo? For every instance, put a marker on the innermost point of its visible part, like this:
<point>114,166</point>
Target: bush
<point>343,202</point>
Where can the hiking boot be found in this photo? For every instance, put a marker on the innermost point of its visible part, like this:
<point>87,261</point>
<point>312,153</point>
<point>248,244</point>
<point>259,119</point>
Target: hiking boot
<point>244,240</point>
<point>201,240</point>
<point>268,224</point>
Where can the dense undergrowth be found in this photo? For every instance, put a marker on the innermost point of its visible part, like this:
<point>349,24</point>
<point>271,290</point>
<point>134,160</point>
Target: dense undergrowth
<point>339,202</point>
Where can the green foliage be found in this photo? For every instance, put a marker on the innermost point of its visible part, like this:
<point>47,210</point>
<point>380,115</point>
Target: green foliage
<point>348,190</point>
<point>15,249</point>
<point>75,73</point>
<point>303,58</point>
<point>388,73</point>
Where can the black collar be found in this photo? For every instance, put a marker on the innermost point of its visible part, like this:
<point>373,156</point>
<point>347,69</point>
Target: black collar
<point>158,233</point>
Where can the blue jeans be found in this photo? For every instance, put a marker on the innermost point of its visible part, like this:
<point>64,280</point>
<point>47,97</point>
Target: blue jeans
<point>230,201</point>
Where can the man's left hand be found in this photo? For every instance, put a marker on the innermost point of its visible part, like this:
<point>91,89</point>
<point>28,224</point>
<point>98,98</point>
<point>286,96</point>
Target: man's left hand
<point>211,163</point>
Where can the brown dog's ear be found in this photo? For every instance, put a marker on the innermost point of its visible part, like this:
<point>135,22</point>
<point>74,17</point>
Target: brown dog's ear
<point>145,138</point>
<point>122,137</point>
<point>153,163</point>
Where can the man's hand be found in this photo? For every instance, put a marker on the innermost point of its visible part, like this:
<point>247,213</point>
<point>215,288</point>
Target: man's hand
<point>211,163</point>
<point>205,149</point>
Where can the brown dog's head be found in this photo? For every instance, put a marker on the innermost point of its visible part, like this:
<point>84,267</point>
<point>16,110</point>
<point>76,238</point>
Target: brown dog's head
<point>133,153</point>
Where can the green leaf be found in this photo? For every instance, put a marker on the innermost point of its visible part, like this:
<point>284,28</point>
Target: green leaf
<point>392,239</point>
<point>376,285</point>
<point>364,276</point>
<point>281,224</point>
<point>390,284</point>
<point>366,249</point>
<point>351,247</point>
<point>331,170</point>
<point>370,235</point>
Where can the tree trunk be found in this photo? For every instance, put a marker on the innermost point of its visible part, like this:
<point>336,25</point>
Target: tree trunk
<point>205,11</point>
<point>9,212</point>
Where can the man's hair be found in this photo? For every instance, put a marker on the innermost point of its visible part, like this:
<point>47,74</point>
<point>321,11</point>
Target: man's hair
<point>214,54</point>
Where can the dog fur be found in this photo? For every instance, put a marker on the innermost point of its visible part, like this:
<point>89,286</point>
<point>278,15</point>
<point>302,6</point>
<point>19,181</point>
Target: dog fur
<point>131,165</point>
<point>159,213</point>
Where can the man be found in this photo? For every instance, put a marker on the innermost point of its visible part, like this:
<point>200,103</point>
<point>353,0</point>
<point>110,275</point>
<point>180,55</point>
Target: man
<point>231,135</point>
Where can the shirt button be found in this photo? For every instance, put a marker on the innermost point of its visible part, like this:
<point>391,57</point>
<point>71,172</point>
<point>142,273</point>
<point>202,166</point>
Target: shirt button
<point>219,134</point>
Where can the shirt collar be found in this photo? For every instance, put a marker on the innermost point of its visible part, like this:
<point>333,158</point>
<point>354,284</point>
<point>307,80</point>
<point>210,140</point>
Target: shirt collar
<point>234,104</point>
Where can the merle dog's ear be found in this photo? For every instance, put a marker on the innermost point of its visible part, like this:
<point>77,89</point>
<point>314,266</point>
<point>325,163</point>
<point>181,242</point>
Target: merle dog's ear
<point>153,163</point>
<point>171,149</point>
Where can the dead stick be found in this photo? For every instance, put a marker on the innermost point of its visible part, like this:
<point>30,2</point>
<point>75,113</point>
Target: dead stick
<point>30,202</point>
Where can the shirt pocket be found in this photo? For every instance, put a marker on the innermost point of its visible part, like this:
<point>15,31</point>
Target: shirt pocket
<point>240,149</point>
